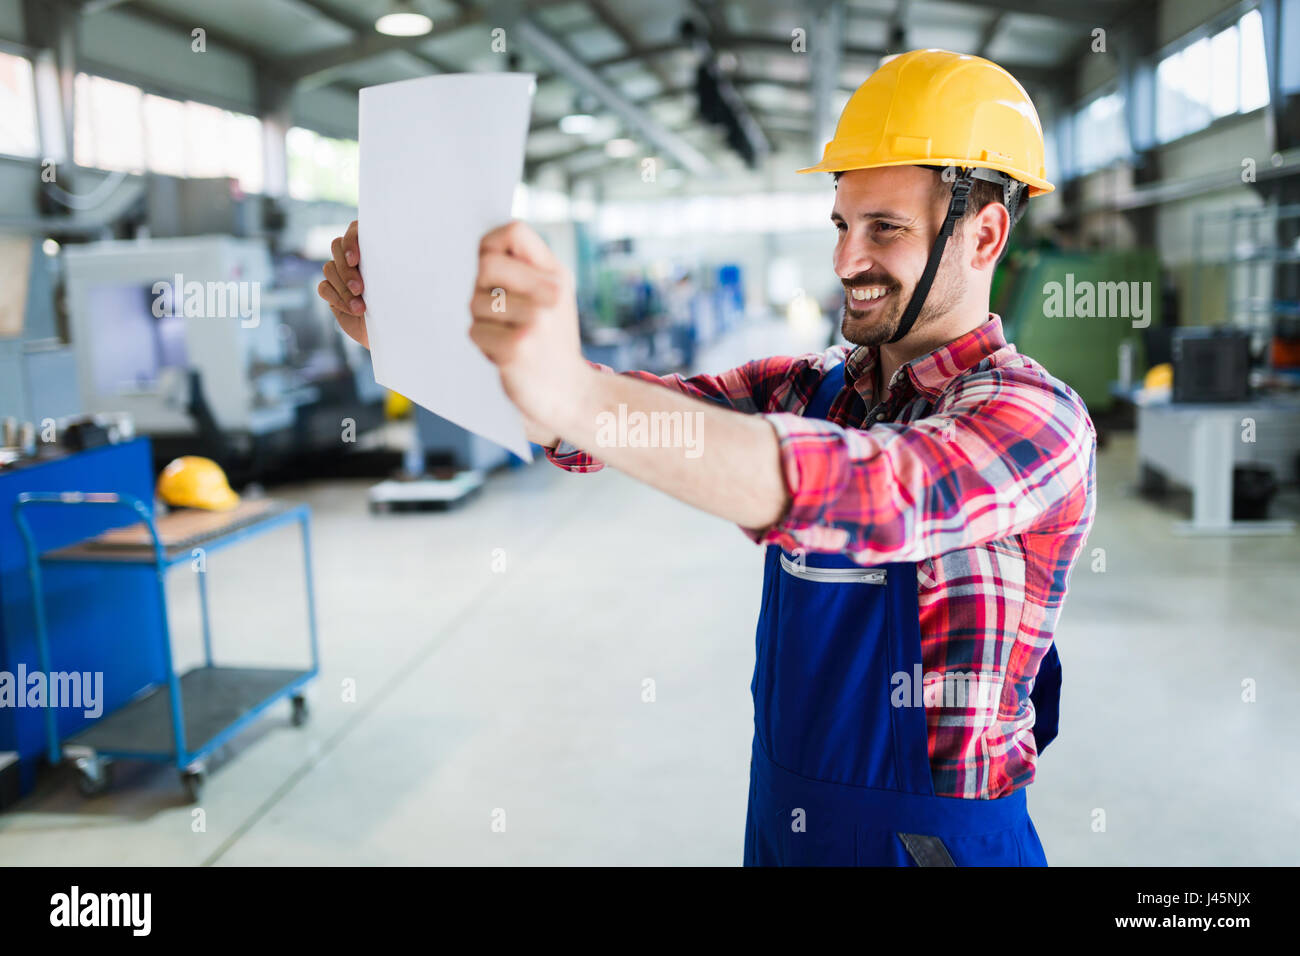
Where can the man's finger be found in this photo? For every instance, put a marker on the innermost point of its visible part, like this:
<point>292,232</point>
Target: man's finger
<point>502,308</point>
<point>352,245</point>
<point>350,276</point>
<point>354,326</point>
<point>494,340</point>
<point>496,270</point>
<point>327,292</point>
<point>353,303</point>
<point>517,239</point>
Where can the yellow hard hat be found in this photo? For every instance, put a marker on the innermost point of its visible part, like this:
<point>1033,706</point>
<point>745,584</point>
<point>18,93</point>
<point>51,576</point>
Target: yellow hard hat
<point>938,108</point>
<point>1159,376</point>
<point>396,405</point>
<point>194,482</point>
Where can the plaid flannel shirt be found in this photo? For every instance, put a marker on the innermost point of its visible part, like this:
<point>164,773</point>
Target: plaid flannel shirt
<point>980,467</point>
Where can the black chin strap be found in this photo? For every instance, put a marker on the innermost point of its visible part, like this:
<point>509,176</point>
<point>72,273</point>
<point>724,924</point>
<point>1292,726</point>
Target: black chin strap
<point>956,209</point>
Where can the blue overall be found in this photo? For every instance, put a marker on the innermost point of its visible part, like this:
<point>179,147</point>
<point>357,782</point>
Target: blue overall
<point>839,775</point>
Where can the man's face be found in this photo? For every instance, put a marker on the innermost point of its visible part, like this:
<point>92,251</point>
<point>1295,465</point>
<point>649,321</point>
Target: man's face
<point>887,220</point>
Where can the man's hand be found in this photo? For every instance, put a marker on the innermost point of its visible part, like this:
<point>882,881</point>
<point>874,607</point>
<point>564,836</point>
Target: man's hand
<point>526,322</point>
<point>342,287</point>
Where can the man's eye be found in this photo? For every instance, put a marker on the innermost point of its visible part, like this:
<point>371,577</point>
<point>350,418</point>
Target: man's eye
<point>887,227</point>
<point>840,227</point>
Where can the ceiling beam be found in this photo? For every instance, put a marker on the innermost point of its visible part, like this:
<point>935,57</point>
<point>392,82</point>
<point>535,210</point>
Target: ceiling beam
<point>266,69</point>
<point>719,38</point>
<point>363,27</point>
<point>896,34</point>
<point>550,159</point>
<point>866,55</point>
<point>1026,73</point>
<point>824,72</point>
<point>784,121</point>
<point>90,7</point>
<point>1064,10</point>
<point>615,25</point>
<point>371,43</point>
<point>989,34</point>
<point>740,80</point>
<point>555,54</point>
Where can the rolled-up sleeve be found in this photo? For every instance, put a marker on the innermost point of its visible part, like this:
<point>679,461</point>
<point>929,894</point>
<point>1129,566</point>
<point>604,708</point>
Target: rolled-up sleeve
<point>1005,452</point>
<point>746,388</point>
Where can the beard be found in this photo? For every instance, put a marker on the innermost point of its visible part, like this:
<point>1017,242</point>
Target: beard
<point>878,324</point>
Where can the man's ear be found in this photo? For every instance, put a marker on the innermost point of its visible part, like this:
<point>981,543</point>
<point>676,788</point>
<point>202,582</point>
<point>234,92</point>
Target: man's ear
<point>987,232</point>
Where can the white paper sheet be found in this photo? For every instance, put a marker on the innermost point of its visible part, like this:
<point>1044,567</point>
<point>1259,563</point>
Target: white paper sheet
<point>440,158</point>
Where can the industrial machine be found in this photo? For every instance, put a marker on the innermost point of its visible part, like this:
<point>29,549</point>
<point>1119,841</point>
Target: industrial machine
<point>214,347</point>
<point>38,379</point>
<point>1039,294</point>
<point>1211,365</point>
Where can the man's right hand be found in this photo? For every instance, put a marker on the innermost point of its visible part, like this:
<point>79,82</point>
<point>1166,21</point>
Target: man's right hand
<point>342,287</point>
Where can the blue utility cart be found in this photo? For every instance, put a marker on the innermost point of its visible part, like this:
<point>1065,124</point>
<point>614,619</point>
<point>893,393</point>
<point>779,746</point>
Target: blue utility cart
<point>183,719</point>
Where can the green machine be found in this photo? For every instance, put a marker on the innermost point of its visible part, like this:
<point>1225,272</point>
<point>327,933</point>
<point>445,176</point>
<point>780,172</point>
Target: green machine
<point>1071,311</point>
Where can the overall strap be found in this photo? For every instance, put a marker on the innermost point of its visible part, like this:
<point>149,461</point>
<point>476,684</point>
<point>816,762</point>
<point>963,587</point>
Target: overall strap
<point>820,404</point>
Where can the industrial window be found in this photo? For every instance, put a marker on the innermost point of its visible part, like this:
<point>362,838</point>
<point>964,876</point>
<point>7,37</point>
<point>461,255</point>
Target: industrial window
<point>120,127</point>
<point>1052,153</point>
<point>17,107</point>
<point>320,167</point>
<point>1216,75</point>
<point>108,122</point>
<point>1100,136</point>
<point>165,149</point>
<point>712,215</point>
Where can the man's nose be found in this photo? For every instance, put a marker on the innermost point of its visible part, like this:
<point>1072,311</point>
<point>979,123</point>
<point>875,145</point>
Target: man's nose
<point>851,259</point>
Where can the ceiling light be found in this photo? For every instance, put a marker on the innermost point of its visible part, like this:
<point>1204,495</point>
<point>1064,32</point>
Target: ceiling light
<point>577,123</point>
<point>620,148</point>
<point>402,20</point>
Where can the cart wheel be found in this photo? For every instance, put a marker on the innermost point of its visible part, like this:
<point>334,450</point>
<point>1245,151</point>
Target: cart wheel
<point>300,711</point>
<point>94,774</point>
<point>193,781</point>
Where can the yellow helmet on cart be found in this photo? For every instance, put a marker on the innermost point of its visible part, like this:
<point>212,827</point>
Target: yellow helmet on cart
<point>192,481</point>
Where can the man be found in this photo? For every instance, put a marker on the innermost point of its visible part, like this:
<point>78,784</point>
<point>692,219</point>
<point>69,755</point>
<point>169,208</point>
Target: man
<point>922,496</point>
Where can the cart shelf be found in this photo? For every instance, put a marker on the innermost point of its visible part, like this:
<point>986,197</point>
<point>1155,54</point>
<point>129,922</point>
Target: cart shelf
<point>216,703</point>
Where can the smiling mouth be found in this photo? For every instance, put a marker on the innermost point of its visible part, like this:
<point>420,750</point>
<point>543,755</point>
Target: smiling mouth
<point>863,297</point>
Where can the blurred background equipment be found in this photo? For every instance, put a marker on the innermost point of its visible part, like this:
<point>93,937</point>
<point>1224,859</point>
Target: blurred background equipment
<point>38,377</point>
<point>1211,365</point>
<point>212,346</point>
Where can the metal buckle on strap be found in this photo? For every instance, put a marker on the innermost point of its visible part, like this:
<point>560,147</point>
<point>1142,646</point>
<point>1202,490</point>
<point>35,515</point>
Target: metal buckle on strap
<point>835,575</point>
<point>961,188</point>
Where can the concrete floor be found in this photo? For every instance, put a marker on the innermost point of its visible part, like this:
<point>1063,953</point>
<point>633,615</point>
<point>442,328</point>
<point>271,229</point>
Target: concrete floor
<point>517,694</point>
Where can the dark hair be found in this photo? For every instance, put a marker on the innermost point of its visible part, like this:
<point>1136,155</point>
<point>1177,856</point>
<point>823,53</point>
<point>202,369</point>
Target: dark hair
<point>982,193</point>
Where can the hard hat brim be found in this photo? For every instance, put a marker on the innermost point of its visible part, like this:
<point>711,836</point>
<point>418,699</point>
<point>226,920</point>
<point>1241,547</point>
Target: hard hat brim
<point>225,502</point>
<point>1037,187</point>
